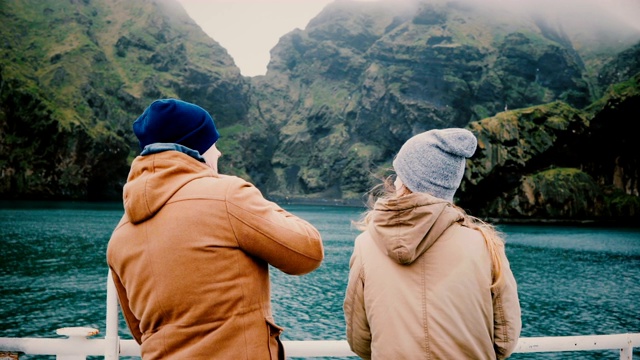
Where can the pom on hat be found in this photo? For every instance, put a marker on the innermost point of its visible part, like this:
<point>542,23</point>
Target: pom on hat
<point>176,121</point>
<point>433,162</point>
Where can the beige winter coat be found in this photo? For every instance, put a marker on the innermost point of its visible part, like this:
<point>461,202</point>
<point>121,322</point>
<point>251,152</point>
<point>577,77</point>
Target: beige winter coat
<point>190,261</point>
<point>419,287</point>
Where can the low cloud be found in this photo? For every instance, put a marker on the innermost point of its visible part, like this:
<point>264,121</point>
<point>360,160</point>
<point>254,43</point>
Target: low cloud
<point>584,20</point>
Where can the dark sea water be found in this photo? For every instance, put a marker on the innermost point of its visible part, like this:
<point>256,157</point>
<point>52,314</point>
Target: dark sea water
<point>571,280</point>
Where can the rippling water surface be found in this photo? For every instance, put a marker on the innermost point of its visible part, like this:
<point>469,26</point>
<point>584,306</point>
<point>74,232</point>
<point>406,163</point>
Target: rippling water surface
<point>571,280</point>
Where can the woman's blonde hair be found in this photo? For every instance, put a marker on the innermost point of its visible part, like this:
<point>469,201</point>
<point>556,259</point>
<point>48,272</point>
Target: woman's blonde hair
<point>493,239</point>
<point>385,189</point>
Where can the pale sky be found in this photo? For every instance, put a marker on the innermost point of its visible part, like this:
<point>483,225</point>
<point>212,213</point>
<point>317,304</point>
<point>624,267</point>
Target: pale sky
<point>249,29</point>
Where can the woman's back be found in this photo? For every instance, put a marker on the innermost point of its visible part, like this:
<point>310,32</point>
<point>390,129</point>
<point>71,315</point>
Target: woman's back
<point>439,304</point>
<point>426,280</point>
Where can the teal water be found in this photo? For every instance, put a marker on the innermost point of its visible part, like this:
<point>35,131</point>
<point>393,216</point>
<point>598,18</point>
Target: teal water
<point>572,280</point>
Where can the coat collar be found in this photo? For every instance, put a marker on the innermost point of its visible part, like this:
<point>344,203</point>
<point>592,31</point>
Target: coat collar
<point>405,227</point>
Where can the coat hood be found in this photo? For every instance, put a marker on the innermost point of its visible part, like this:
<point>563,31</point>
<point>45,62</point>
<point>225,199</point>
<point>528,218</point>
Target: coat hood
<point>153,179</point>
<point>405,227</point>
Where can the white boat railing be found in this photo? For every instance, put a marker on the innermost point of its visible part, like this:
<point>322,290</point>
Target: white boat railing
<point>79,342</point>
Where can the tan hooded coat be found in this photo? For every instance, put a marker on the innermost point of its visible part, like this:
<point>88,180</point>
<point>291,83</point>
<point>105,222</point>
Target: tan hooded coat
<point>420,287</point>
<point>190,261</point>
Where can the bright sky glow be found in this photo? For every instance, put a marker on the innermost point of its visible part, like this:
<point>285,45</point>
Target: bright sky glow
<point>249,29</point>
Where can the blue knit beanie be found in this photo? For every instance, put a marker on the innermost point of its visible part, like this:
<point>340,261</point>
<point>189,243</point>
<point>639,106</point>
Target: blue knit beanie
<point>176,121</point>
<point>433,162</point>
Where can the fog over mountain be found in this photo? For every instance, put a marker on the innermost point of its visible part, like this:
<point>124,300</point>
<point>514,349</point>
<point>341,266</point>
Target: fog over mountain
<point>594,14</point>
<point>616,20</point>
<point>585,21</point>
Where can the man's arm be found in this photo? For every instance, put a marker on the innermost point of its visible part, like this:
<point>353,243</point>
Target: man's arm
<point>265,230</point>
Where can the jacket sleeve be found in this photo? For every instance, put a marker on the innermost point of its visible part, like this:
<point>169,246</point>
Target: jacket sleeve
<point>506,308</point>
<point>266,231</point>
<point>132,322</point>
<point>358,332</point>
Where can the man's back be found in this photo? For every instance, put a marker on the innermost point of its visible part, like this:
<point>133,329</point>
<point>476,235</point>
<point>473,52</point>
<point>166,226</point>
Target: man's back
<point>193,277</point>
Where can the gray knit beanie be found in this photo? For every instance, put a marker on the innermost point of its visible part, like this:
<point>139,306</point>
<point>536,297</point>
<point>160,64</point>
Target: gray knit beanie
<point>433,162</point>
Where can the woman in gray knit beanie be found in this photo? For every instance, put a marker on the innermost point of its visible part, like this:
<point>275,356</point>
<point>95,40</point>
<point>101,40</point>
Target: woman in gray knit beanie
<point>427,280</point>
<point>433,162</point>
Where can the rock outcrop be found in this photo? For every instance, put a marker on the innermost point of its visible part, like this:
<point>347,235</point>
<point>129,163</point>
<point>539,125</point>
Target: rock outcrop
<point>556,162</point>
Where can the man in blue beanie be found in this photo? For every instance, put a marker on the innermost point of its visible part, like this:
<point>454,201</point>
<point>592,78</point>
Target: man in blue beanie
<point>190,256</point>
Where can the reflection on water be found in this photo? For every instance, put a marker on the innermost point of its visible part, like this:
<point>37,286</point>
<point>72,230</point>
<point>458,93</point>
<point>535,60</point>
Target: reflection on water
<point>571,280</point>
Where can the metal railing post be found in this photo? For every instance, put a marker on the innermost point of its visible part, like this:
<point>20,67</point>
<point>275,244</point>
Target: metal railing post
<point>626,353</point>
<point>112,340</point>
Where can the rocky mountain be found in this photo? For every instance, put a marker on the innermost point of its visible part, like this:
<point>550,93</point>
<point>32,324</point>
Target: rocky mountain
<point>75,74</point>
<point>363,77</point>
<point>338,100</point>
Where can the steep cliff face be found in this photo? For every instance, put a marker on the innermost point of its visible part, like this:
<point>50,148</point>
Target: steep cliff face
<point>42,156</point>
<point>94,66</point>
<point>613,153</point>
<point>364,77</point>
<point>311,84</point>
